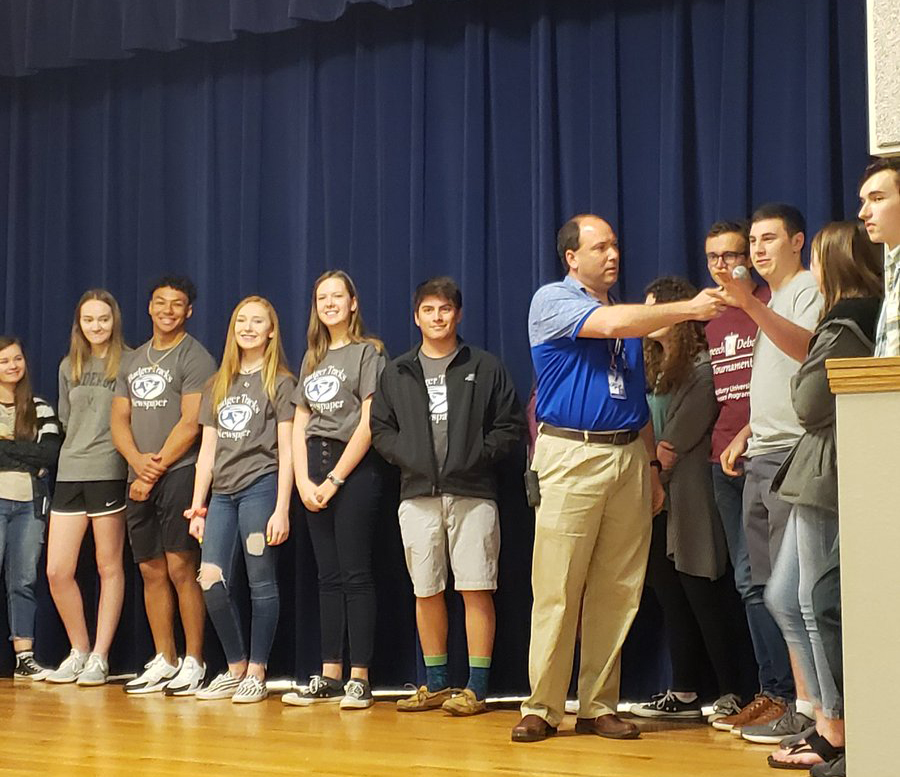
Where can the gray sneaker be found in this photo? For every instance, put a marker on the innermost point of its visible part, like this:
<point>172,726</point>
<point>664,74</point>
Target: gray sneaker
<point>726,705</point>
<point>69,669</point>
<point>95,672</point>
<point>789,724</point>
<point>357,694</point>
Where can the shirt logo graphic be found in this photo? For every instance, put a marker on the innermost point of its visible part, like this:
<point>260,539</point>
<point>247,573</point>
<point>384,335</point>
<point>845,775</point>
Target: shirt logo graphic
<point>437,400</point>
<point>148,386</point>
<point>234,418</point>
<point>730,343</point>
<point>322,389</point>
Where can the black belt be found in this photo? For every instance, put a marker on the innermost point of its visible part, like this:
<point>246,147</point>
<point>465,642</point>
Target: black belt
<point>622,437</point>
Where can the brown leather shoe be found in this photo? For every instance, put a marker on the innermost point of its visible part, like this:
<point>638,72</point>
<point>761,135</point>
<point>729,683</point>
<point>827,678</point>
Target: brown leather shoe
<point>610,726</point>
<point>532,728</point>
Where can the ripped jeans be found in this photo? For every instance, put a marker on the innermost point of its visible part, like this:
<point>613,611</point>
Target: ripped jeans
<point>239,521</point>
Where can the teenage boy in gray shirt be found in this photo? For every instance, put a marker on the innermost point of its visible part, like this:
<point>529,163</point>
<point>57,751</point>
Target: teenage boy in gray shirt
<point>786,324</point>
<point>155,427</point>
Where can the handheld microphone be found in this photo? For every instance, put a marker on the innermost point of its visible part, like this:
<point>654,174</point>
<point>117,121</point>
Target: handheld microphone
<point>740,273</point>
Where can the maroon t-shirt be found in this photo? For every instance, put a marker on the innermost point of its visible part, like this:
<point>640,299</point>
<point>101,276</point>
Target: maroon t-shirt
<point>731,338</point>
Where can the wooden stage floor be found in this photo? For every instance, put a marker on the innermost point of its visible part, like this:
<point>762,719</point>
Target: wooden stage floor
<point>101,732</point>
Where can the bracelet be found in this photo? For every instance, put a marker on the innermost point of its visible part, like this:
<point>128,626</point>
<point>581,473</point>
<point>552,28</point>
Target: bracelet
<point>335,479</point>
<point>657,464</point>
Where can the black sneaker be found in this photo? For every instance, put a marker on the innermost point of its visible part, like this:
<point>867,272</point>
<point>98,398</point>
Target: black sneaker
<point>29,669</point>
<point>667,706</point>
<point>320,690</point>
<point>357,695</point>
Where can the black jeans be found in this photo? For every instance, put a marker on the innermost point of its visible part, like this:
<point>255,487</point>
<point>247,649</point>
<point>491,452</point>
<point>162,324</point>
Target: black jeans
<point>341,536</point>
<point>701,617</point>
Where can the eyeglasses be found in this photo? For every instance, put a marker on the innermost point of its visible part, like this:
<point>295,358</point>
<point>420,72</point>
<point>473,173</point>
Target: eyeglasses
<point>730,257</point>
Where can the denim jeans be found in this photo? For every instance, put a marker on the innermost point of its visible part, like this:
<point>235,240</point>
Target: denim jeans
<point>775,677</point>
<point>242,516</point>
<point>805,549</point>
<point>21,537</point>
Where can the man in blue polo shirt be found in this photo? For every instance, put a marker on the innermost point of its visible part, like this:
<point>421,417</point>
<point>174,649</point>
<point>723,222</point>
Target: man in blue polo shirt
<point>592,458</point>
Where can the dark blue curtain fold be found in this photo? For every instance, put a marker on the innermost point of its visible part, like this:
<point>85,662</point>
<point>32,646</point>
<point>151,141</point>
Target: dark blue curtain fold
<point>452,137</point>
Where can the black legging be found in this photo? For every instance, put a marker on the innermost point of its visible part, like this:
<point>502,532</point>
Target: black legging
<point>702,618</point>
<point>341,537</point>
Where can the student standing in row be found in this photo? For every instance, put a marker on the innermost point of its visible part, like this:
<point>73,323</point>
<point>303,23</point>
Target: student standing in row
<point>90,487</point>
<point>155,427</point>
<point>339,483</point>
<point>688,554</point>
<point>446,413</point>
<point>29,445</point>
<point>848,270</point>
<point>245,455</point>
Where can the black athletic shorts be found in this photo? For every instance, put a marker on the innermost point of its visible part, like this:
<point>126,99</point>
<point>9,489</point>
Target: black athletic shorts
<point>94,497</point>
<point>158,525</point>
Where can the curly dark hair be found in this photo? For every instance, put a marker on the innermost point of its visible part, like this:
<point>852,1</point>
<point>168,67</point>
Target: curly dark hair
<point>666,371</point>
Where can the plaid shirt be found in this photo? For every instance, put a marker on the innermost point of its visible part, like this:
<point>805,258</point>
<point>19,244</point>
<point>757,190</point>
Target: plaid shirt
<point>887,336</point>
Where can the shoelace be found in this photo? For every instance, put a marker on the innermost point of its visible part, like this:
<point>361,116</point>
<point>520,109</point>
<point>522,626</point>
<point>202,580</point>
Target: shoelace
<point>316,684</point>
<point>29,663</point>
<point>663,699</point>
<point>354,688</point>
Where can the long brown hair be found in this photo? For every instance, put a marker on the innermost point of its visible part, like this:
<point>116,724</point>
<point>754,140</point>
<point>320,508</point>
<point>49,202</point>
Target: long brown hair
<point>666,371</point>
<point>26,415</point>
<point>318,337</point>
<point>80,348</point>
<point>274,361</point>
<point>851,264</point>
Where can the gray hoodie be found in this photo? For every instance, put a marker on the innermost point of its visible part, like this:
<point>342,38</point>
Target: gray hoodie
<point>809,474</point>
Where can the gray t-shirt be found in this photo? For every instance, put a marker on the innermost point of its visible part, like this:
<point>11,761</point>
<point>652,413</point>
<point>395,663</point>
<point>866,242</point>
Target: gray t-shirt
<point>155,381</point>
<point>435,371</point>
<point>334,391</point>
<point>88,452</point>
<point>773,422</point>
<point>246,423</point>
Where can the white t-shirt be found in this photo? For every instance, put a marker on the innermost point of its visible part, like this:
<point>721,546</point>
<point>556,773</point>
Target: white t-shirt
<point>773,422</point>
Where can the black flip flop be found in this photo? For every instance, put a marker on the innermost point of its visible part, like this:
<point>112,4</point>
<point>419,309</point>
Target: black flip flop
<point>814,743</point>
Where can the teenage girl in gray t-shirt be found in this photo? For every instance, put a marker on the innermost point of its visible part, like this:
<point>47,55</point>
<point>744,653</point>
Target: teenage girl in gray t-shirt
<point>90,487</point>
<point>339,483</point>
<point>245,455</point>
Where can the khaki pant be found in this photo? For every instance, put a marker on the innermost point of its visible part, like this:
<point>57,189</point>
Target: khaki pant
<point>592,536</point>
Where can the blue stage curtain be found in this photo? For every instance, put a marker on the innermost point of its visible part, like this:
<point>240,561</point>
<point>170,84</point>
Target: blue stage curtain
<point>447,137</point>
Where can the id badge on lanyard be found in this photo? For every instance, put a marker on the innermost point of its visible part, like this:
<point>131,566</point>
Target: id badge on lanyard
<point>616,372</point>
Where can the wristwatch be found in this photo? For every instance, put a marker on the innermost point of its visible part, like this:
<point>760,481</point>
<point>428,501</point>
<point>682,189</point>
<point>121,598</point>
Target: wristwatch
<point>335,479</point>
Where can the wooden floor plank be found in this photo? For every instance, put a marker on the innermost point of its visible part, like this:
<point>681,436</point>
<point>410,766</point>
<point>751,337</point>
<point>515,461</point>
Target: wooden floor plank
<point>101,732</point>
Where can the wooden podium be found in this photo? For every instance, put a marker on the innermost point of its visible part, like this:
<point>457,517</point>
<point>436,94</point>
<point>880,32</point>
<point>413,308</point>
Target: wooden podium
<point>868,437</point>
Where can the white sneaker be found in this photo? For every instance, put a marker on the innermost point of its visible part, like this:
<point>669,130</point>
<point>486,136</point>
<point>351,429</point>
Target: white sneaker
<point>69,669</point>
<point>223,686</point>
<point>250,690</point>
<point>95,672</point>
<point>189,678</point>
<point>157,675</point>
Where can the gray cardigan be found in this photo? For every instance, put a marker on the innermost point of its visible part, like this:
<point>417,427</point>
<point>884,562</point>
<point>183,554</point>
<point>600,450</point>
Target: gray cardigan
<point>809,474</point>
<point>695,540</point>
